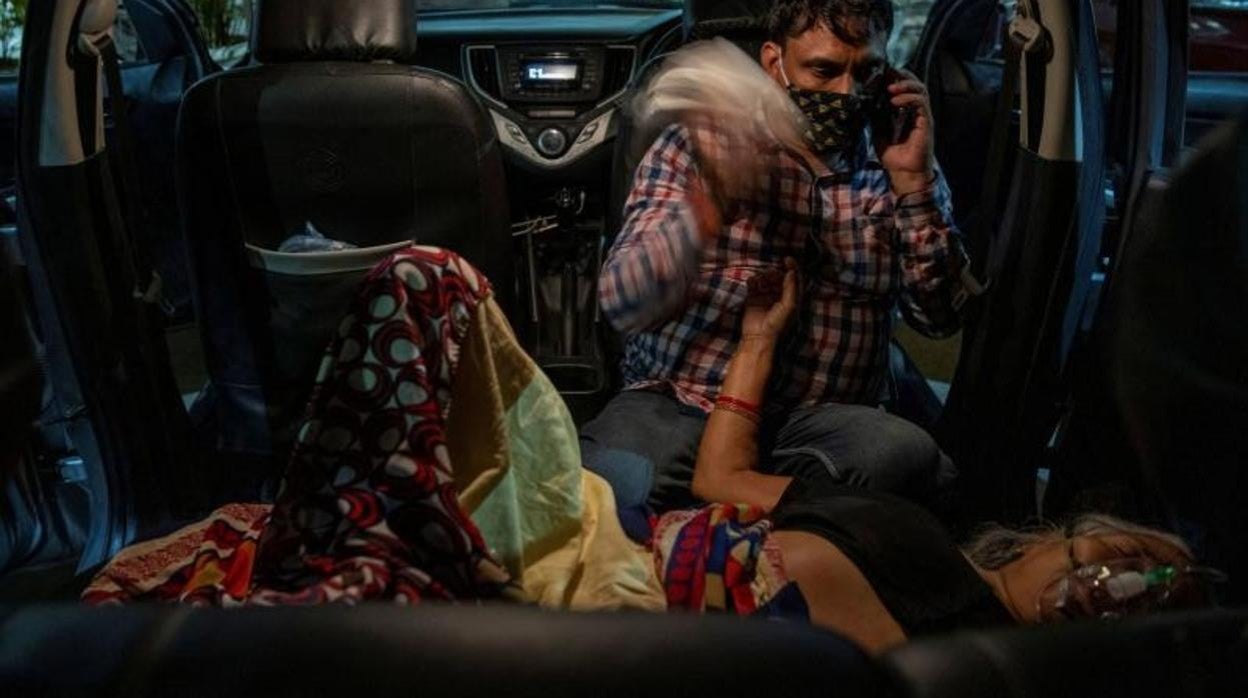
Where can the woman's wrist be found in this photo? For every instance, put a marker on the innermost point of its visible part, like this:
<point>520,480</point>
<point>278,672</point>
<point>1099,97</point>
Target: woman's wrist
<point>746,409</point>
<point>749,369</point>
<point>756,346</point>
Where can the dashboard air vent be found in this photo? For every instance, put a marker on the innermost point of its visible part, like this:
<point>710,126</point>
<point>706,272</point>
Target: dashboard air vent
<point>618,69</point>
<point>483,67</point>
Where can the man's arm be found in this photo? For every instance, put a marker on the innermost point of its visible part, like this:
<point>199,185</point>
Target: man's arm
<point>654,261</point>
<point>932,258</point>
<point>930,247</point>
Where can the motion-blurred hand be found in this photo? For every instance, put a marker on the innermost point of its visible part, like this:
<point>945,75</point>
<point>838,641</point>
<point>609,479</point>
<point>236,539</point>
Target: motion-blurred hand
<point>733,162</point>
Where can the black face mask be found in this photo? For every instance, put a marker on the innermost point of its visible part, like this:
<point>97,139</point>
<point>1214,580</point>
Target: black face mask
<point>837,120</point>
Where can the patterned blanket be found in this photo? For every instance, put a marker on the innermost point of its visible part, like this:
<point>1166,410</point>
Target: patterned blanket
<point>720,559</point>
<point>436,462</point>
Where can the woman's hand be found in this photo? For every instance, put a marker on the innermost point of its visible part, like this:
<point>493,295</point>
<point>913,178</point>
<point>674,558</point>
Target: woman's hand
<point>728,453</point>
<point>769,305</point>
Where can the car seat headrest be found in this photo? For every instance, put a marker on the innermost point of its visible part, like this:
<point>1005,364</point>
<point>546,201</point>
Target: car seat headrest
<point>290,31</point>
<point>731,19</point>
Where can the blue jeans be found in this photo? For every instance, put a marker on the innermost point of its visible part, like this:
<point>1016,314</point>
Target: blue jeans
<point>645,444</point>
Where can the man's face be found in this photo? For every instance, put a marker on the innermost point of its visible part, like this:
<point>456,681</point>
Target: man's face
<point>818,59</point>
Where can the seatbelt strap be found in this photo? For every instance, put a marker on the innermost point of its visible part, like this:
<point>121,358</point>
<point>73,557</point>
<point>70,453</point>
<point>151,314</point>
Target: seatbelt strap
<point>1024,36</point>
<point>149,288</point>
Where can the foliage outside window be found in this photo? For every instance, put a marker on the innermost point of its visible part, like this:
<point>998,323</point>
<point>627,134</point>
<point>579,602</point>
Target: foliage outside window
<point>12,17</point>
<point>910,16</point>
<point>226,26</point>
<point>13,20</point>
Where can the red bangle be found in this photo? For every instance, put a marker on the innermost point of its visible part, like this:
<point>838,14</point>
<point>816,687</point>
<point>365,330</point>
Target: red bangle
<point>744,414</point>
<point>737,404</point>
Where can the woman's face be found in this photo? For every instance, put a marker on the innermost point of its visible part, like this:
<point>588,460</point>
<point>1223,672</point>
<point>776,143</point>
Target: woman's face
<point>1028,577</point>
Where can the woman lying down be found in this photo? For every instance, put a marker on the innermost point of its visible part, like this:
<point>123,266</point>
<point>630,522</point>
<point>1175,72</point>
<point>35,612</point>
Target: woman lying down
<point>437,462</point>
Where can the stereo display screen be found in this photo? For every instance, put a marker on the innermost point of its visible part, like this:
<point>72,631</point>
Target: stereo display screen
<point>542,73</point>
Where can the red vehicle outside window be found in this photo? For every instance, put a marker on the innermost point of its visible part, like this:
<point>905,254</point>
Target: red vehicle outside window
<point>1218,34</point>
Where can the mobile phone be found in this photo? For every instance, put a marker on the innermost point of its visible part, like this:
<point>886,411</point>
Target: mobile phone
<point>889,124</point>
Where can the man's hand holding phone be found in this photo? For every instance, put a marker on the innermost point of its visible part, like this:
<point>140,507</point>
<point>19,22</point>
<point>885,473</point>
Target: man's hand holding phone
<point>911,161</point>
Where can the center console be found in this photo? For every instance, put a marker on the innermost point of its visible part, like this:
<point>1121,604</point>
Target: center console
<point>551,74</point>
<point>551,104</point>
<point>553,107</point>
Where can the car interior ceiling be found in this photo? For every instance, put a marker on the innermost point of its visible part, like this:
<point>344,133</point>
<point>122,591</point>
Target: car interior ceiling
<point>1128,387</point>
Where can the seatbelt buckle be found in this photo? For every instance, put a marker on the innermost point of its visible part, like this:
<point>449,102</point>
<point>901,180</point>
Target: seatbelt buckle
<point>1028,34</point>
<point>154,295</point>
<point>971,288</point>
<point>96,44</point>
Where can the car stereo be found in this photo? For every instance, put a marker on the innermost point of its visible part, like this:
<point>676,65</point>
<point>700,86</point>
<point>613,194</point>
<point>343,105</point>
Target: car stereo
<point>551,74</point>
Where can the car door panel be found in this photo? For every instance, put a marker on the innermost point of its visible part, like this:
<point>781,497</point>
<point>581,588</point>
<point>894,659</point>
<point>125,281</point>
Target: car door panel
<point>108,424</point>
<point>1034,253</point>
<point>8,129</point>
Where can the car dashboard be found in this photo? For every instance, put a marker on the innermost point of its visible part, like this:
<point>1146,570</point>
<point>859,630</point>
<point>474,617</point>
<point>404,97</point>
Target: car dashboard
<point>551,81</point>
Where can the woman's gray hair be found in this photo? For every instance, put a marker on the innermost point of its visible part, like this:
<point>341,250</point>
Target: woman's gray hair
<point>993,546</point>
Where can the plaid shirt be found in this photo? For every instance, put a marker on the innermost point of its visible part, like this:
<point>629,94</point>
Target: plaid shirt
<point>862,250</point>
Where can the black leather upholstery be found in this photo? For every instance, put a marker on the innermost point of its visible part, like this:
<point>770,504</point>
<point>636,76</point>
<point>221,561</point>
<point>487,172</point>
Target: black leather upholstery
<point>368,153</point>
<point>20,380</point>
<point>743,22</point>
<point>1170,655</point>
<point>434,651</point>
<point>335,30</point>
<point>157,650</point>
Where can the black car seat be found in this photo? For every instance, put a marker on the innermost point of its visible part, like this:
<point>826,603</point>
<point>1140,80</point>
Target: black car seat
<point>964,86</point>
<point>386,650</point>
<point>20,380</point>
<point>333,131</point>
<point>466,651</point>
<point>1166,655</point>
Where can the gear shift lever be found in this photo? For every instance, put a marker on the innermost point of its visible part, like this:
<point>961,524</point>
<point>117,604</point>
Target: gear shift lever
<point>568,204</point>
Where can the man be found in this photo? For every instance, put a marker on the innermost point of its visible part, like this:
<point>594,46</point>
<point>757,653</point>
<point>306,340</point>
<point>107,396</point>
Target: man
<point>871,225</point>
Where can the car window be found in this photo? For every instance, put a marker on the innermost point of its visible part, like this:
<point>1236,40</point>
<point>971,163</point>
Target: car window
<point>1218,34</point>
<point>126,38</point>
<point>991,46</point>
<point>12,17</point>
<point>226,26</point>
<point>909,18</point>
